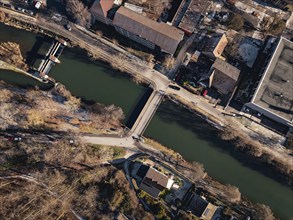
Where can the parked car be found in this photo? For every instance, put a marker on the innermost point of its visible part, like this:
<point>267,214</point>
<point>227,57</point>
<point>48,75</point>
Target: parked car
<point>174,87</point>
<point>68,27</point>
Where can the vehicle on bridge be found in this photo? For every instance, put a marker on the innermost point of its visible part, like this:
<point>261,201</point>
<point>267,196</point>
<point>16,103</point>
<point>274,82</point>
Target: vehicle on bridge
<point>174,87</point>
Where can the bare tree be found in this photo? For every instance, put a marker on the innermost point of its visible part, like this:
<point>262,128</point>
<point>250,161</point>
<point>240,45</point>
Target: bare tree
<point>168,62</point>
<point>231,193</point>
<point>79,12</point>
<point>264,212</point>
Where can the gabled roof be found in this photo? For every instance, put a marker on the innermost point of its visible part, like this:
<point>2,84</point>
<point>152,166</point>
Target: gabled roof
<point>154,182</point>
<point>161,34</point>
<point>226,68</point>
<point>101,7</point>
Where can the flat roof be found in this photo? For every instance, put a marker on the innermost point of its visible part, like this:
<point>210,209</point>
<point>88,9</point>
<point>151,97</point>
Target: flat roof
<point>275,90</point>
<point>193,14</point>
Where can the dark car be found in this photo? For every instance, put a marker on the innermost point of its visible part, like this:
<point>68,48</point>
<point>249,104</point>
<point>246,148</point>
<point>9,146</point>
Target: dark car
<point>174,87</point>
<point>67,27</point>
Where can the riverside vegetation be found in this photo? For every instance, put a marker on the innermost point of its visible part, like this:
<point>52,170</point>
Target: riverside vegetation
<point>37,184</point>
<point>56,109</point>
<point>10,53</point>
<point>227,196</point>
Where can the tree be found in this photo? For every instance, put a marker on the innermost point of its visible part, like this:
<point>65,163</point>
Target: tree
<point>79,12</point>
<point>236,22</point>
<point>198,171</point>
<point>263,212</point>
<point>168,62</point>
<point>150,58</point>
<point>2,16</point>
<point>231,194</point>
<point>277,27</point>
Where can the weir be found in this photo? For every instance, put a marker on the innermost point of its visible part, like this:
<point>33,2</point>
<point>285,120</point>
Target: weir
<point>51,57</point>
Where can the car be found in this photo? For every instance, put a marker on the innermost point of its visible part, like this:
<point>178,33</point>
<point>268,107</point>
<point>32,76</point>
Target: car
<point>17,139</point>
<point>31,13</point>
<point>174,87</point>
<point>14,138</point>
<point>67,27</point>
<point>57,17</point>
<point>7,5</point>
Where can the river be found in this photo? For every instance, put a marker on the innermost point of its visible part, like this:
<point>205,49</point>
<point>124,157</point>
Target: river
<point>173,126</point>
<point>196,140</point>
<point>91,81</point>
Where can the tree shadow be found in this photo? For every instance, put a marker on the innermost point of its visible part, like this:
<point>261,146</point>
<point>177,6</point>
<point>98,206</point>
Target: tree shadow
<point>171,113</point>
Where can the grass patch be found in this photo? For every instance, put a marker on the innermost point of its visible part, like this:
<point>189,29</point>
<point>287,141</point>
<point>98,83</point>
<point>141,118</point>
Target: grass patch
<point>160,147</point>
<point>114,152</point>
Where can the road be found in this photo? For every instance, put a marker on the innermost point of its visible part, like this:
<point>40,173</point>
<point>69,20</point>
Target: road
<point>199,103</point>
<point>110,141</point>
<point>106,50</point>
<point>147,113</point>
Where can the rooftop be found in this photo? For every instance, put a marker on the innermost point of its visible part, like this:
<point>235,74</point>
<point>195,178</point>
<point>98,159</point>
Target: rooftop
<point>193,15</point>
<point>154,182</point>
<point>226,68</point>
<point>197,205</point>
<point>101,7</point>
<point>275,90</point>
<point>201,208</point>
<point>216,44</point>
<point>161,34</point>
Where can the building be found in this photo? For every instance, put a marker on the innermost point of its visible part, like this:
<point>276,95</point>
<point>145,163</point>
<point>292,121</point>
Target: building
<point>215,46</point>
<point>223,77</point>
<point>188,20</point>
<point>100,9</point>
<point>272,95</point>
<point>200,207</point>
<point>283,4</point>
<point>146,31</point>
<point>154,182</point>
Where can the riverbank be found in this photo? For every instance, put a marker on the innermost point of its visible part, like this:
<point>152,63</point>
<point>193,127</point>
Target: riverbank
<point>55,110</point>
<point>133,66</point>
<point>226,196</point>
<point>275,158</point>
<point>193,98</point>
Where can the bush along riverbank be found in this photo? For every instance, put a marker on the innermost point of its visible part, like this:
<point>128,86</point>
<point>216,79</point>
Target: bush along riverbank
<point>226,196</point>
<point>278,159</point>
<point>279,162</point>
<point>56,110</point>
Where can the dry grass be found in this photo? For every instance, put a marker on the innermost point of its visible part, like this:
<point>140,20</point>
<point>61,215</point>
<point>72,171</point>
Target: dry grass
<point>56,109</point>
<point>35,118</point>
<point>64,177</point>
<point>159,147</point>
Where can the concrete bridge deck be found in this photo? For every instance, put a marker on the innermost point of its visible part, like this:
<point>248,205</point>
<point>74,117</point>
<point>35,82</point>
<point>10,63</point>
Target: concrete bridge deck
<point>147,113</point>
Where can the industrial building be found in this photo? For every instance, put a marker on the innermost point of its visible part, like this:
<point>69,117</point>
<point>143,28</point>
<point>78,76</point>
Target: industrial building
<point>273,94</point>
